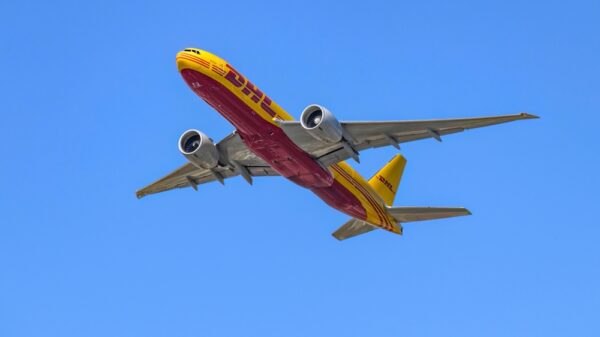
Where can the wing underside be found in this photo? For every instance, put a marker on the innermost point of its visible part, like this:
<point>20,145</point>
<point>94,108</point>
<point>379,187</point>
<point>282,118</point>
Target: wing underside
<point>236,159</point>
<point>189,175</point>
<point>364,135</point>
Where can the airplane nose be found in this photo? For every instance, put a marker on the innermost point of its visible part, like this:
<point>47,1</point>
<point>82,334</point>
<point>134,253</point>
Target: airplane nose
<point>182,60</point>
<point>185,58</point>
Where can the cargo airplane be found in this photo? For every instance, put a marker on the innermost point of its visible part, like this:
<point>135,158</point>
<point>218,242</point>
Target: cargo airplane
<point>310,152</point>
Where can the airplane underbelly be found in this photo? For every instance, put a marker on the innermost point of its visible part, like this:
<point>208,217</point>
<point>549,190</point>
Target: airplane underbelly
<point>264,138</point>
<point>269,142</point>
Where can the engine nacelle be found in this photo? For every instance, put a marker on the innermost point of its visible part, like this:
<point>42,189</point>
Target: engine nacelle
<point>321,124</point>
<point>199,149</point>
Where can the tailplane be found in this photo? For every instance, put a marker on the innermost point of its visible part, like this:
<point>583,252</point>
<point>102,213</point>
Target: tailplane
<point>410,214</point>
<point>352,228</point>
<point>386,181</point>
<point>356,227</point>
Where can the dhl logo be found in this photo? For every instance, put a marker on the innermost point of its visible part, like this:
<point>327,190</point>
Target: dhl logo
<point>250,90</point>
<point>386,183</point>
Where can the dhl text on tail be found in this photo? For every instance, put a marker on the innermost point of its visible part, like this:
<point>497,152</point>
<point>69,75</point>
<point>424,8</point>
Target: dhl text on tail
<point>310,152</point>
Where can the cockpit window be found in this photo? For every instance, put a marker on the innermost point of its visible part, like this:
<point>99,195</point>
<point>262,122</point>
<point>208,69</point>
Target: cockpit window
<point>193,51</point>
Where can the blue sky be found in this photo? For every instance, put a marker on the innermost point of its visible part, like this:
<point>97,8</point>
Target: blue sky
<point>92,107</point>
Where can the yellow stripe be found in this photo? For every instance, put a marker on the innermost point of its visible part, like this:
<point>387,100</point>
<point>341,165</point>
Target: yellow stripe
<point>362,193</point>
<point>382,214</point>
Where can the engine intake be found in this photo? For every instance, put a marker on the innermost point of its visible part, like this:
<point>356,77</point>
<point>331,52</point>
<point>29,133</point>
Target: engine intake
<point>199,149</point>
<point>321,124</point>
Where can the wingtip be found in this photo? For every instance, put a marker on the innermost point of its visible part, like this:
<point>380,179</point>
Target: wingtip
<point>526,115</point>
<point>336,237</point>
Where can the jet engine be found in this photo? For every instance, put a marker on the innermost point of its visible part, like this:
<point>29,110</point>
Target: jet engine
<point>199,149</point>
<point>321,124</point>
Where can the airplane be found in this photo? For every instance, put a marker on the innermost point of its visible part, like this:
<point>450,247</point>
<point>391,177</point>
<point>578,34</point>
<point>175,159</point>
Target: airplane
<point>310,152</point>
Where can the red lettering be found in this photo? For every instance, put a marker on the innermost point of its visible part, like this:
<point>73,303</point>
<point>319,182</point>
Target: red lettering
<point>234,77</point>
<point>266,105</point>
<point>257,94</point>
<point>386,183</point>
<point>249,89</point>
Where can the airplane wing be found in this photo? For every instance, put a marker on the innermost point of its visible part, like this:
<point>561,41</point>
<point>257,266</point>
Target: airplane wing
<point>240,161</point>
<point>364,135</point>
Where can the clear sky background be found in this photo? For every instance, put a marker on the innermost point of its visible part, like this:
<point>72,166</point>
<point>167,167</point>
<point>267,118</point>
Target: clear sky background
<point>93,105</point>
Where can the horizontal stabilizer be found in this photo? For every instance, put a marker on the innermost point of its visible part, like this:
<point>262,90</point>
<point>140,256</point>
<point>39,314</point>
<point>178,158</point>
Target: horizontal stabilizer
<point>352,228</point>
<point>409,214</point>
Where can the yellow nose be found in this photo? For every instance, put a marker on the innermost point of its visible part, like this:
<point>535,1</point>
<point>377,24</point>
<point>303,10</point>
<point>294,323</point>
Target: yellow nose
<point>186,60</point>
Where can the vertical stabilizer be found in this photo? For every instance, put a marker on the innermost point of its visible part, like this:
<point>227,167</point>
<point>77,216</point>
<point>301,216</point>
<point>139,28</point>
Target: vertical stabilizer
<point>386,181</point>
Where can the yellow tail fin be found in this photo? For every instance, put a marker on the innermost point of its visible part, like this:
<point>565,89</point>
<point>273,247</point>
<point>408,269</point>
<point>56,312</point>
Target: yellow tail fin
<point>386,181</point>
